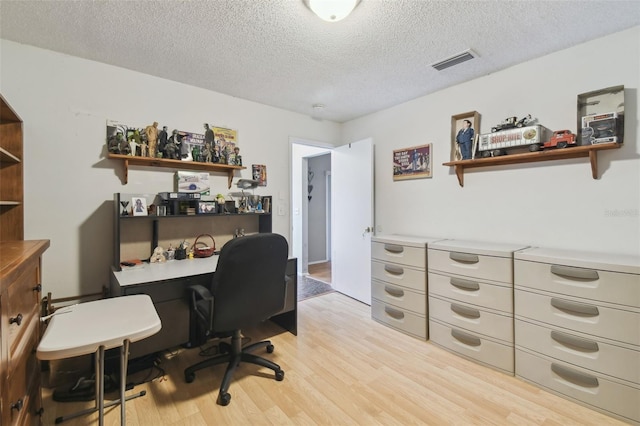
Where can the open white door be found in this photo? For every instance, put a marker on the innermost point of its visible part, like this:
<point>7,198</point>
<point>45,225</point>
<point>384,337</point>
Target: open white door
<point>352,219</point>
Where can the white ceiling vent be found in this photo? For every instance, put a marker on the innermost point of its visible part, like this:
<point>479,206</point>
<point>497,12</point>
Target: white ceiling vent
<point>455,60</point>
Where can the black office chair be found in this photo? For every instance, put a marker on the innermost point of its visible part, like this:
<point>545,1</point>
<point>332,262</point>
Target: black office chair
<point>248,287</point>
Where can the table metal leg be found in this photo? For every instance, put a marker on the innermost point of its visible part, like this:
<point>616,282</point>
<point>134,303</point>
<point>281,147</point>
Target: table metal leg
<point>100,386</point>
<point>124,355</point>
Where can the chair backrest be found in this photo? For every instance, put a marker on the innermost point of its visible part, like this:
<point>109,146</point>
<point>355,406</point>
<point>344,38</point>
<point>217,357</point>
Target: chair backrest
<point>249,282</point>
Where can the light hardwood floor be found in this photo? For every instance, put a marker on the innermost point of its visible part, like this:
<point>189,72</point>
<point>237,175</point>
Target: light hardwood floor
<point>320,271</point>
<point>343,368</point>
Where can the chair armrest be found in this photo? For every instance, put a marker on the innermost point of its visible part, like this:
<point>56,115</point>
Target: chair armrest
<point>199,292</point>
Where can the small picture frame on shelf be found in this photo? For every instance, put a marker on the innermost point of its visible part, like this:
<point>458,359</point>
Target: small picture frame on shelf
<point>464,130</point>
<point>207,207</point>
<point>139,206</point>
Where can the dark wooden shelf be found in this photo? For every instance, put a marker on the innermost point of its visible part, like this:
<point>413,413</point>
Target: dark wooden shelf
<point>174,164</point>
<point>532,157</point>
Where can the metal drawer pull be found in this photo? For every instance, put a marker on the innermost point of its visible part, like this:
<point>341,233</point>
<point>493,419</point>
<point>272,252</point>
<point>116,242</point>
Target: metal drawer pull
<point>394,291</point>
<point>393,248</point>
<point>575,307</point>
<point>575,273</point>
<point>574,376</point>
<point>465,311</point>
<point>393,313</point>
<point>17,405</point>
<point>464,284</point>
<point>394,270</point>
<point>464,257</point>
<point>17,319</point>
<point>465,338</point>
<point>578,342</point>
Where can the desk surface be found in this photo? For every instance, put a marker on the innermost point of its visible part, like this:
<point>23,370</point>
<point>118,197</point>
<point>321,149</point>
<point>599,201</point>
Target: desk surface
<point>153,272</point>
<point>82,329</point>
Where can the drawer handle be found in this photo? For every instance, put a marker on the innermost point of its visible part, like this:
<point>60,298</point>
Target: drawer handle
<point>394,291</point>
<point>574,273</point>
<point>394,270</point>
<point>464,284</point>
<point>574,376</point>
<point>40,412</point>
<point>17,405</point>
<point>394,313</point>
<point>465,338</point>
<point>393,248</point>
<point>37,288</point>
<point>17,319</point>
<point>578,342</point>
<point>465,311</point>
<point>463,257</point>
<point>575,307</point>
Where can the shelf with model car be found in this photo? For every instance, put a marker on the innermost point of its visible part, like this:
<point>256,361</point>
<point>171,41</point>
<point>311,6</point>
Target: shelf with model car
<point>589,151</point>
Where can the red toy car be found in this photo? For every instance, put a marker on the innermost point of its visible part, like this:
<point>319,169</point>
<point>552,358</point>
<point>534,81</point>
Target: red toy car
<point>559,139</point>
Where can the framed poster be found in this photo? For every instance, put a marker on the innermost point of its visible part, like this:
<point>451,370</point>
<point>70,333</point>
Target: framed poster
<point>139,206</point>
<point>465,129</point>
<point>412,163</point>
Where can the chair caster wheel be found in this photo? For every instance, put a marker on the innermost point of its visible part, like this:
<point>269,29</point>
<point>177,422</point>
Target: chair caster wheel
<point>279,375</point>
<point>224,399</point>
<point>189,377</point>
<point>270,349</point>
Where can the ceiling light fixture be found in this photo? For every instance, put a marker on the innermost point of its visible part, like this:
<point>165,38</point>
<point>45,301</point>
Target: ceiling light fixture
<point>332,10</point>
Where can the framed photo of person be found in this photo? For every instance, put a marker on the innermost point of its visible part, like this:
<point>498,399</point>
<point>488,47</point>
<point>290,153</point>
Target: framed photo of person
<point>206,207</point>
<point>139,206</point>
<point>464,130</point>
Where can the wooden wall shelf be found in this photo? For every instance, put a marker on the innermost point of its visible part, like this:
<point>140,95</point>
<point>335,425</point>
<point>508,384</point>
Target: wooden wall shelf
<point>174,164</point>
<point>532,157</point>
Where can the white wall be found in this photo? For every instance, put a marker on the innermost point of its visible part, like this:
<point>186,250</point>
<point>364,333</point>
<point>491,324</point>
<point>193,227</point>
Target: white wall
<point>65,101</point>
<point>317,208</point>
<point>555,203</point>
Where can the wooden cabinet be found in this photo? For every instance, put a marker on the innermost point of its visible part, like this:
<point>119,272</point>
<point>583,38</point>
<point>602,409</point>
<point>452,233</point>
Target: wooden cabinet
<point>11,172</point>
<point>577,327</point>
<point>471,300</point>
<point>20,289</point>
<point>399,283</point>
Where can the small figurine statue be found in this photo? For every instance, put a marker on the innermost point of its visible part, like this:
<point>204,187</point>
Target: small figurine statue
<point>195,153</point>
<point>151,132</point>
<point>207,156</point>
<point>113,144</point>
<point>162,139</point>
<point>158,256</point>
<point>237,158</point>
<point>216,154</point>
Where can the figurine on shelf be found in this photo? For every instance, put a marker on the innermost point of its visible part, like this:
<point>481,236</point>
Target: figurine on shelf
<point>207,154</point>
<point>151,132</point>
<point>237,156</point>
<point>464,139</point>
<point>215,158</point>
<point>124,147</point>
<point>208,134</point>
<point>162,140</point>
<point>113,144</point>
<point>195,153</point>
<point>171,148</point>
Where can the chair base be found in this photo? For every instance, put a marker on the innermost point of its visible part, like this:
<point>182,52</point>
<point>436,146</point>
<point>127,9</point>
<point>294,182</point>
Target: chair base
<point>235,355</point>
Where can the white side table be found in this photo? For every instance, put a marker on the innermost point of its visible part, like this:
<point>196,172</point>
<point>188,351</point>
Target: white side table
<point>94,327</point>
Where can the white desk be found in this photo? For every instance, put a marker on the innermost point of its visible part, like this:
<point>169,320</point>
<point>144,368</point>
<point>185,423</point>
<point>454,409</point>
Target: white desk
<point>94,327</point>
<point>172,269</point>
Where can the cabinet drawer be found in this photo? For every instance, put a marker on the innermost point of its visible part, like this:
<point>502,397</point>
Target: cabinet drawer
<point>404,321</point>
<point>499,297</point>
<point>22,305</point>
<point>471,265</point>
<point>397,253</point>
<point>23,376</point>
<point>579,315</point>
<point>593,284</point>
<point>475,347</point>
<point>400,275</point>
<point>471,318</point>
<point>399,297</point>
<point>580,384</point>
<point>581,350</point>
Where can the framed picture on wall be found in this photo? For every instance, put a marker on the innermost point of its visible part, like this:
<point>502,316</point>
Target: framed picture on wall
<point>412,163</point>
<point>465,129</point>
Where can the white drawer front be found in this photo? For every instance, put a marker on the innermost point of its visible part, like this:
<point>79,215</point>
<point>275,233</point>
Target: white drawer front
<point>580,350</point>
<point>606,286</point>
<point>399,275</point>
<point>404,321</point>
<point>472,319</point>
<point>580,384</point>
<point>583,316</point>
<point>399,296</point>
<point>397,253</point>
<point>472,291</point>
<point>472,265</point>
<point>472,346</point>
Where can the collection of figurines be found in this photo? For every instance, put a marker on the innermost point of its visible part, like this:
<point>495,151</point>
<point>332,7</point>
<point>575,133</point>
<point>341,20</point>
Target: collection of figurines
<point>155,143</point>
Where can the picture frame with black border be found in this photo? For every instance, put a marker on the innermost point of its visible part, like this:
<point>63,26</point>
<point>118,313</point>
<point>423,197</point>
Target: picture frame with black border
<point>207,207</point>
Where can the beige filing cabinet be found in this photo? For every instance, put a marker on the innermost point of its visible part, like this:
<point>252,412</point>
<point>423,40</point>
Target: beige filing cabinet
<point>471,300</point>
<point>577,327</point>
<point>399,282</point>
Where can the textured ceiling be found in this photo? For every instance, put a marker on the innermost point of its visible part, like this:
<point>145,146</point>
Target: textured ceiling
<point>276,52</point>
